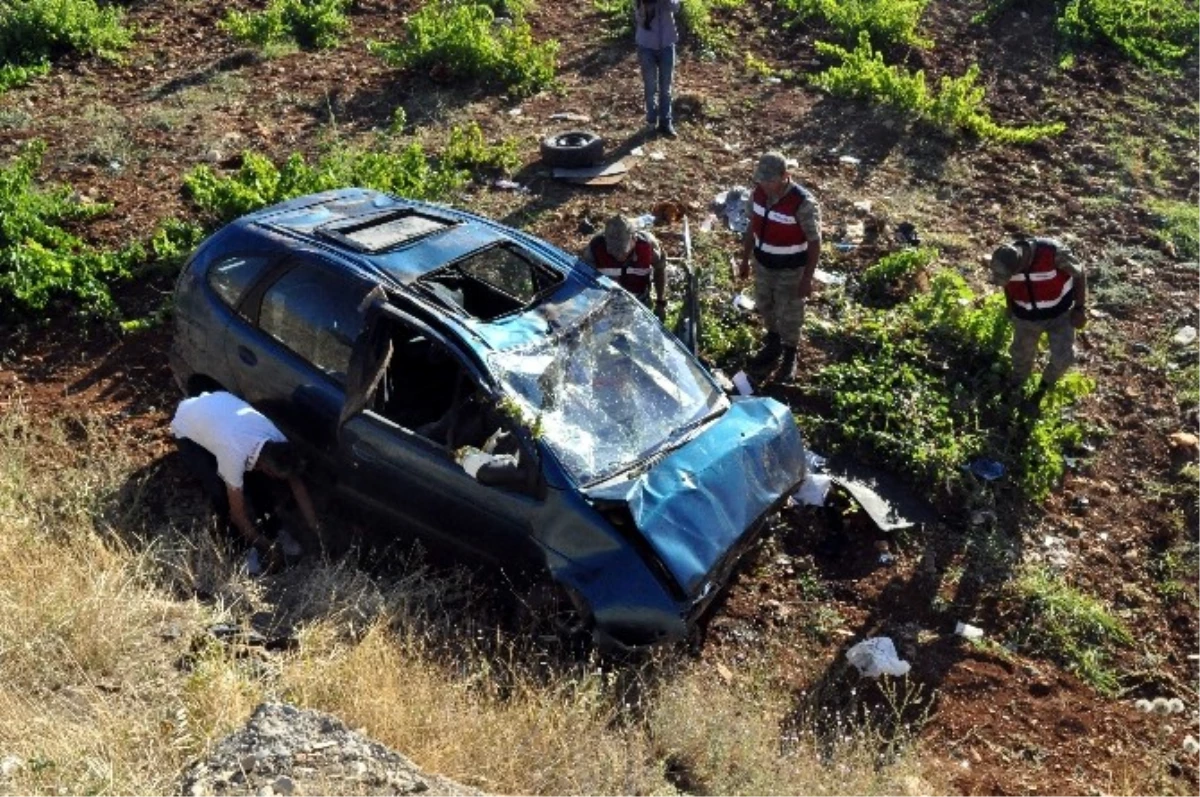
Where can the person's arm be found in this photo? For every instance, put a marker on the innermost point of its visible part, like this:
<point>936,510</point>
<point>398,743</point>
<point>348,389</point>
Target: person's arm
<point>304,501</point>
<point>1066,260</point>
<point>809,218</point>
<point>659,264</point>
<point>747,250</point>
<point>240,517</point>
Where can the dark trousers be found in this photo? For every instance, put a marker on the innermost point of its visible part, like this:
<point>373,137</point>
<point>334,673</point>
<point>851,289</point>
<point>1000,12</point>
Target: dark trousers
<point>257,488</point>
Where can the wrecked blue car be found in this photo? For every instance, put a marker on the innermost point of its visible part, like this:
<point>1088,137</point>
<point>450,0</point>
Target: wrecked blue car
<point>476,385</point>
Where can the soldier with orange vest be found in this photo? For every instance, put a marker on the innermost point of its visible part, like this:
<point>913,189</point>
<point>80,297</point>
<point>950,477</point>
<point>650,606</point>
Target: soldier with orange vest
<point>784,239</point>
<point>1046,289</point>
<point>633,258</point>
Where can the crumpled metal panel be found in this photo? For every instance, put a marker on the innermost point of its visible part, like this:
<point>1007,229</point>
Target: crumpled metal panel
<point>695,505</point>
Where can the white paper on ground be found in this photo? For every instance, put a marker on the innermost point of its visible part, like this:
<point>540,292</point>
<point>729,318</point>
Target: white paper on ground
<point>877,656</point>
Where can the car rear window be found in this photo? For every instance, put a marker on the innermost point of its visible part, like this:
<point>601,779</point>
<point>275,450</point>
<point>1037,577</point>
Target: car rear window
<point>229,277</point>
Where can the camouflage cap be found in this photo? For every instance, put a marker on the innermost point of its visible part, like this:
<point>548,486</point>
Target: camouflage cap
<point>1006,260</point>
<point>618,235</point>
<point>771,166</point>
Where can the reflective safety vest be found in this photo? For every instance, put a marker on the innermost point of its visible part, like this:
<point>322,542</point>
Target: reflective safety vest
<point>779,240</point>
<point>1042,291</point>
<point>634,273</point>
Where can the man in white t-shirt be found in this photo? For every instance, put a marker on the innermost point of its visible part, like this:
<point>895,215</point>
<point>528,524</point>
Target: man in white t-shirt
<point>225,440</point>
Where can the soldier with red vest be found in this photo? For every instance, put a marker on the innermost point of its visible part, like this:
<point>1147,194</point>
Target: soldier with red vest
<point>633,258</point>
<point>1046,290</point>
<point>784,238</point>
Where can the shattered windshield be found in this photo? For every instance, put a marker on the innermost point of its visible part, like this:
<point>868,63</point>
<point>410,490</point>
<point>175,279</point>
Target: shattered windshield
<point>610,390</point>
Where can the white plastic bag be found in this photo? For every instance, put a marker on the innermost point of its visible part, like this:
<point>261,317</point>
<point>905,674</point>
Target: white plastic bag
<point>877,656</point>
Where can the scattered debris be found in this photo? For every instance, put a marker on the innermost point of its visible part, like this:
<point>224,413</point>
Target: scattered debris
<point>986,469</point>
<point>743,303</point>
<point>510,185</point>
<point>1185,336</point>
<point>570,116</point>
<point>981,516</point>
<point>886,500</point>
<point>611,174</point>
<point>742,383</point>
<point>906,233</point>
<point>828,277</point>
<point>643,221</point>
<point>968,631</point>
<point>842,246</point>
<point>877,656</point>
<point>850,160</point>
<point>657,155</point>
<point>863,207</point>
<point>813,491</point>
<point>733,205</point>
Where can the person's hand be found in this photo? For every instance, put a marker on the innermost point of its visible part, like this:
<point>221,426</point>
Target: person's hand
<point>806,287</point>
<point>660,310</point>
<point>1078,316</point>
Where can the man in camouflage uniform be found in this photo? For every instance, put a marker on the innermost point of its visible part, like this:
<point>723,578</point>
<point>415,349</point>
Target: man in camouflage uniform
<point>784,240</point>
<point>632,257</point>
<point>1046,289</point>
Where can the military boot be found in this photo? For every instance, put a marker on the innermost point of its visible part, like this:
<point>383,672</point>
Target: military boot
<point>787,366</point>
<point>769,352</point>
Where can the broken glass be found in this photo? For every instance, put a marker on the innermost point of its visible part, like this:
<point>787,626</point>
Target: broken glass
<point>610,390</point>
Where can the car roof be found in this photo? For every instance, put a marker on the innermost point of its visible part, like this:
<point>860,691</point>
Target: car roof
<point>328,221</point>
<point>399,239</point>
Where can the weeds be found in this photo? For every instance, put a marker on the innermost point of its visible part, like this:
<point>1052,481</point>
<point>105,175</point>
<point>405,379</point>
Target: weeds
<point>883,21</point>
<point>1156,33</point>
<point>259,182</point>
<point>958,106</point>
<point>41,261</point>
<point>467,149</point>
<point>309,23</point>
<point>897,270</point>
<point>1179,226</point>
<point>1061,623</point>
<point>463,40</point>
<point>920,389</point>
<point>35,32</point>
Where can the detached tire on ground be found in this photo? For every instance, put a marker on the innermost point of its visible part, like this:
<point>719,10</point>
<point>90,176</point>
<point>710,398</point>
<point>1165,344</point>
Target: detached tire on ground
<point>572,150</point>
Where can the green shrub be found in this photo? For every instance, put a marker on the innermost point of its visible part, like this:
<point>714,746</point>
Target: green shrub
<point>884,21</point>
<point>34,32</point>
<point>40,260</point>
<point>958,105</point>
<point>259,182</point>
<point>1061,623</point>
<point>1179,224</point>
<point>694,20</point>
<point>1157,33</point>
<point>468,149</point>
<point>463,39</point>
<point>922,389</point>
<point>894,269</point>
<point>310,23</point>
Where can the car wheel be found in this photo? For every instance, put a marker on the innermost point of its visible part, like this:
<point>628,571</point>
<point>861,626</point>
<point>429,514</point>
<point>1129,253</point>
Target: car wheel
<point>573,149</point>
<point>554,614</point>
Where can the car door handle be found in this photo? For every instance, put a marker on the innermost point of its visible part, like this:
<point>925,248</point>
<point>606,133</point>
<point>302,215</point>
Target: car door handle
<point>247,356</point>
<point>366,453</point>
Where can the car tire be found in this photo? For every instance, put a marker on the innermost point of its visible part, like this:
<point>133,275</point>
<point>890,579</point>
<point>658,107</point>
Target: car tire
<point>573,149</point>
<point>555,616</point>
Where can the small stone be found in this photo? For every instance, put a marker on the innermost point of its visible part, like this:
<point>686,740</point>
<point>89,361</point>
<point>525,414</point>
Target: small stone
<point>284,785</point>
<point>9,766</point>
<point>1185,336</point>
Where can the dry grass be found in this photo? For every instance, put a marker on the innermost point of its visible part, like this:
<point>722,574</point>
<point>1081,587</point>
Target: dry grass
<point>110,684</point>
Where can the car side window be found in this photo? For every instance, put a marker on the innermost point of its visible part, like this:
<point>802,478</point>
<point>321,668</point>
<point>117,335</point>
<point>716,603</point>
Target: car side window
<point>315,314</point>
<point>229,277</point>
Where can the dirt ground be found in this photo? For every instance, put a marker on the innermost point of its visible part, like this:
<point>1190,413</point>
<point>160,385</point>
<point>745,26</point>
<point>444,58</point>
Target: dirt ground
<point>999,722</point>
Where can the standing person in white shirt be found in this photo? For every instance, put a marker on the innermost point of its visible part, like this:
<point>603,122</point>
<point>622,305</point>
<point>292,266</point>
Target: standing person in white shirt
<point>231,446</point>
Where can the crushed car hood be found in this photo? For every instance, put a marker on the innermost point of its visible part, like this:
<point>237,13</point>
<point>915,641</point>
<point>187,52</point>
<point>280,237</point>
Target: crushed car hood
<point>697,503</point>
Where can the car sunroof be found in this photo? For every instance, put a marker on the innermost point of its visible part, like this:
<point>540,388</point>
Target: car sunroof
<point>380,233</point>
